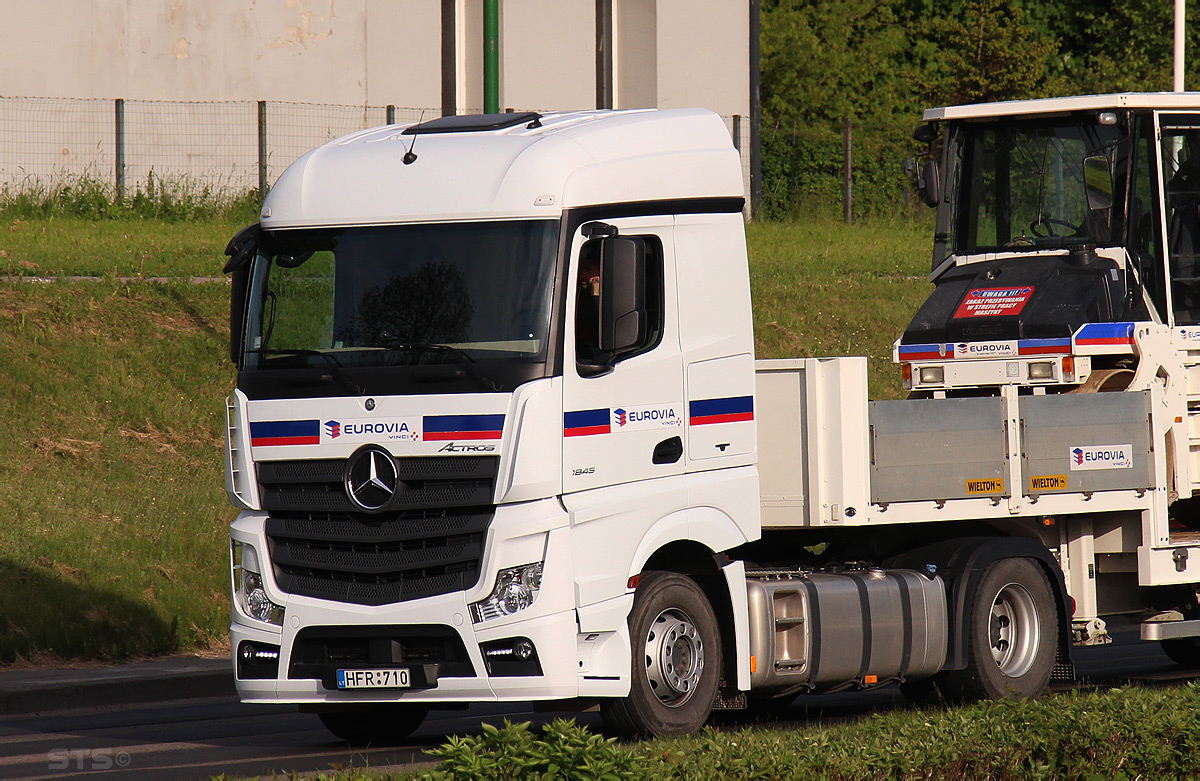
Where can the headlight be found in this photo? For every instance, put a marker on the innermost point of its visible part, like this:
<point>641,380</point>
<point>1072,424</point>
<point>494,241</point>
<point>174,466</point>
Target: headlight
<point>932,375</point>
<point>516,588</point>
<point>1041,370</point>
<point>248,590</point>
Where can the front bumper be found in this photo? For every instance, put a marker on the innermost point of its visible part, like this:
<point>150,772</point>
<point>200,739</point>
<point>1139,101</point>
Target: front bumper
<point>410,634</point>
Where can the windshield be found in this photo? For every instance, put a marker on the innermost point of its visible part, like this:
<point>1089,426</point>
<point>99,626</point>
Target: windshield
<point>1034,184</point>
<point>377,309</point>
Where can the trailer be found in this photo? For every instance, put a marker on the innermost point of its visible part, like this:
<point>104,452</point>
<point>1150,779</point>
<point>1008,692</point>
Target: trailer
<point>499,433</point>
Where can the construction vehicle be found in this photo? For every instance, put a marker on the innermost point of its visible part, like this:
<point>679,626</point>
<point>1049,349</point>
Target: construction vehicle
<point>499,433</point>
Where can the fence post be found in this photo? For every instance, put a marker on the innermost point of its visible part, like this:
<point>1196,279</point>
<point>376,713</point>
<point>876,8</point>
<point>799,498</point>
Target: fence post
<point>737,133</point>
<point>846,173</point>
<point>391,114</point>
<point>262,149</point>
<point>755,115</point>
<point>120,148</point>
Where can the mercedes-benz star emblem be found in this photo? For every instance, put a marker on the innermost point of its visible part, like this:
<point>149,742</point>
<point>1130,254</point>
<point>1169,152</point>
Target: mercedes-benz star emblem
<point>371,478</point>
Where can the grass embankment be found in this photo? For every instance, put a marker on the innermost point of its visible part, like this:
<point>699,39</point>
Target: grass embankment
<point>112,397</point>
<point>827,289</point>
<point>114,540</point>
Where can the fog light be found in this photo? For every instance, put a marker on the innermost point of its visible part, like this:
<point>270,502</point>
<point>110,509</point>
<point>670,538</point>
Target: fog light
<point>516,588</point>
<point>1041,370</point>
<point>257,661</point>
<point>932,375</point>
<point>514,656</point>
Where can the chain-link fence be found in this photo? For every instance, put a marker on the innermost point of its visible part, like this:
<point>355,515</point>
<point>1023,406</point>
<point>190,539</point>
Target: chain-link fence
<point>227,147</point>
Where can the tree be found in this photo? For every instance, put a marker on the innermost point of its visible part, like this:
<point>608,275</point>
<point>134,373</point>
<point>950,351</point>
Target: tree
<point>981,51</point>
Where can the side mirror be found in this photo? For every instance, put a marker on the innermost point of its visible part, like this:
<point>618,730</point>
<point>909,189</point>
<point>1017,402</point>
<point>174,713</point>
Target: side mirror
<point>929,183</point>
<point>925,133</point>
<point>624,320</point>
<point>1097,182</point>
<point>241,249</point>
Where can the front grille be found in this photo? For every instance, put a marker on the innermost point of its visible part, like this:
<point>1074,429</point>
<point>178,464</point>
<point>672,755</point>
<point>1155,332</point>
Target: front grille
<point>429,542</point>
<point>428,483</point>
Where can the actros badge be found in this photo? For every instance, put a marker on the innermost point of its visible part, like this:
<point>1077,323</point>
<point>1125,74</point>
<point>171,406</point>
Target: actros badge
<point>371,478</point>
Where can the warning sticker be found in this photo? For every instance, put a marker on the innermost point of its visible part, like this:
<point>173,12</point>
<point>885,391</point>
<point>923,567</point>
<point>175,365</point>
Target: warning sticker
<point>991,485</point>
<point>993,302</point>
<point>1047,482</point>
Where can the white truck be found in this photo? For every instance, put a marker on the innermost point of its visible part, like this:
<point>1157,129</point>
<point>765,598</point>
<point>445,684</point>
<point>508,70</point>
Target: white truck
<point>499,433</point>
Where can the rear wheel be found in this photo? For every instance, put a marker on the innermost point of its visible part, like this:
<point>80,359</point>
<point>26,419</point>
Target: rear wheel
<point>1012,635</point>
<point>1183,651</point>
<point>676,652</point>
<point>382,725</point>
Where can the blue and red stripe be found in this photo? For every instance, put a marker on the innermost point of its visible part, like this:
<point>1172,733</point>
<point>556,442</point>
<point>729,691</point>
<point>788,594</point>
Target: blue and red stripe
<point>444,428</point>
<point>1100,334</point>
<point>268,433</point>
<point>727,410</point>
<point>923,352</point>
<point>1044,346</point>
<point>586,422</point>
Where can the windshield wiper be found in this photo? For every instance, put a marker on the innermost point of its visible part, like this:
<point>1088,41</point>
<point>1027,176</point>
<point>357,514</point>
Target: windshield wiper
<point>458,356</point>
<point>337,370</point>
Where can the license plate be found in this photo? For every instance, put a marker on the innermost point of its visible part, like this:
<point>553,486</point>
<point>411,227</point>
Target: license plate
<point>373,679</point>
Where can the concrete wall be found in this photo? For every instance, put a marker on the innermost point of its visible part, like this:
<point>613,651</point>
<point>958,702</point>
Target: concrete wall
<point>208,61</point>
<point>372,52</point>
<point>354,52</point>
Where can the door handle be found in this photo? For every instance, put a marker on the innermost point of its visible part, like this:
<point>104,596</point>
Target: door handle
<point>668,451</point>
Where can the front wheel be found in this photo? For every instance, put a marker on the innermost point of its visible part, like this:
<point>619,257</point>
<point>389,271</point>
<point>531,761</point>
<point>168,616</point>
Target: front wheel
<point>1013,635</point>
<point>381,725</point>
<point>676,652</point>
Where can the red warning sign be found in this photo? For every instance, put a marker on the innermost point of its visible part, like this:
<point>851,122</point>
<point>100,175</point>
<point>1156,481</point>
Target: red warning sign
<point>994,302</point>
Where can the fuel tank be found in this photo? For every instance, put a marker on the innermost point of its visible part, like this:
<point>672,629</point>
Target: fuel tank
<point>815,631</point>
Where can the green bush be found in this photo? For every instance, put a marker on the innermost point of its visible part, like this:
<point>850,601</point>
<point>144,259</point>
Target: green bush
<point>1122,733</point>
<point>563,750</point>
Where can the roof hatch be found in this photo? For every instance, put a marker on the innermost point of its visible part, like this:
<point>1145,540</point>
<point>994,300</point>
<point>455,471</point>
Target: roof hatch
<point>475,123</point>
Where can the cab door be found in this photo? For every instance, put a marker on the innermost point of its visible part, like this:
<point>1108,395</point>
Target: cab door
<point>623,411</point>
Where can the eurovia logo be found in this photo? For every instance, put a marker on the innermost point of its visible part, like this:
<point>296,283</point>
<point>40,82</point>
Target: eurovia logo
<point>621,416</point>
<point>333,429</point>
<point>1102,457</point>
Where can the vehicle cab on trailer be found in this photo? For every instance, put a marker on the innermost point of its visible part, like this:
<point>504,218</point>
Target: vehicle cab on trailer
<point>1061,223</point>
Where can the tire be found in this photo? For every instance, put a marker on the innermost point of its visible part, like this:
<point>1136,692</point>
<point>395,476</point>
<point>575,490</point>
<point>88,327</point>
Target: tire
<point>676,650</point>
<point>382,725</point>
<point>1012,636</point>
<point>1184,651</point>
<point>927,691</point>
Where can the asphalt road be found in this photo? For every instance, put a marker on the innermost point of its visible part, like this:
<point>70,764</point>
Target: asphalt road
<point>201,738</point>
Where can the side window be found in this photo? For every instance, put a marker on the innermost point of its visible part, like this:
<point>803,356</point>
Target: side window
<point>1143,222</point>
<point>1181,176</point>
<point>588,354</point>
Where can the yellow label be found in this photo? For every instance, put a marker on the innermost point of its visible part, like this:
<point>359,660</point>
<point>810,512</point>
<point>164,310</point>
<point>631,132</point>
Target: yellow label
<point>1047,482</point>
<point>992,485</point>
